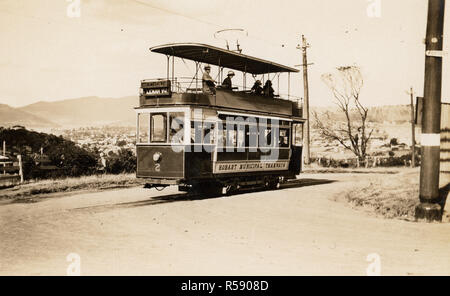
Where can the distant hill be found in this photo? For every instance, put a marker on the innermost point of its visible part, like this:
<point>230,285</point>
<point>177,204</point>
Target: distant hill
<point>10,116</point>
<point>381,114</point>
<point>87,111</point>
<point>396,114</point>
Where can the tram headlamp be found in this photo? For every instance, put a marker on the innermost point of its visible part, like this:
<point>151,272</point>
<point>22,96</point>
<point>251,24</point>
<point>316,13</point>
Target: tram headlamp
<point>157,157</point>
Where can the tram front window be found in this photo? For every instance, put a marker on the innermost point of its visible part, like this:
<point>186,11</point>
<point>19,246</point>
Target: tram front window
<point>176,123</point>
<point>143,127</point>
<point>158,132</point>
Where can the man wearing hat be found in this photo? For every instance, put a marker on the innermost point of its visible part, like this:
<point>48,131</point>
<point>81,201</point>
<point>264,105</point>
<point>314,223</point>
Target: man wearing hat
<point>227,82</point>
<point>208,81</point>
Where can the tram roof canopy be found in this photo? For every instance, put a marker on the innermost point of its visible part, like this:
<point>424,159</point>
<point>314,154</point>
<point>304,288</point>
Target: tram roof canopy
<point>221,57</point>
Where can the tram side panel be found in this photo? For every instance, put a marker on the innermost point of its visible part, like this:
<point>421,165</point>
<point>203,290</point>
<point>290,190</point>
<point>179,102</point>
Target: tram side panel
<point>295,163</point>
<point>198,165</point>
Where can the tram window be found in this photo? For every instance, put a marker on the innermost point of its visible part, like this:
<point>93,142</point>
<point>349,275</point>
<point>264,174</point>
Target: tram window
<point>232,138</point>
<point>241,136</point>
<point>265,136</point>
<point>196,132</point>
<point>229,138</point>
<point>143,127</point>
<point>284,138</point>
<point>297,134</point>
<point>176,124</point>
<point>252,136</point>
<point>209,133</point>
<point>239,127</point>
<point>158,132</point>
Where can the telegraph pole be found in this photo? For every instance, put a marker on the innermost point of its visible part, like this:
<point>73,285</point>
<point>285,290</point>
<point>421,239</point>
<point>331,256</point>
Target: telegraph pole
<point>429,207</point>
<point>413,130</point>
<point>304,47</point>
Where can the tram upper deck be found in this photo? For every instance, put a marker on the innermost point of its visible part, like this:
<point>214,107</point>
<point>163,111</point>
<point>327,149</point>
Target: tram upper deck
<point>180,91</point>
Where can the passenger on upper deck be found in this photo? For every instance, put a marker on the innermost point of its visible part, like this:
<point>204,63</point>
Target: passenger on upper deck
<point>268,90</point>
<point>226,84</point>
<point>256,88</point>
<point>208,82</point>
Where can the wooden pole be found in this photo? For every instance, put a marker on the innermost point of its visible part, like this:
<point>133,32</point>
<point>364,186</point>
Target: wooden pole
<point>306,100</point>
<point>19,157</point>
<point>413,131</point>
<point>429,208</point>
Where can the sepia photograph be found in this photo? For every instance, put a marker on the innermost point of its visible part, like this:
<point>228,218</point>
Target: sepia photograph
<point>209,139</point>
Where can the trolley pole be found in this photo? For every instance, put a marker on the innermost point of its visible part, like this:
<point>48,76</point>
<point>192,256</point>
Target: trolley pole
<point>306,102</point>
<point>429,207</point>
<point>413,131</point>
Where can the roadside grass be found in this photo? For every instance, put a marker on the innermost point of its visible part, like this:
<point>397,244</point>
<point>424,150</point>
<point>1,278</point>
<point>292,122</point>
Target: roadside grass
<point>388,196</point>
<point>94,183</point>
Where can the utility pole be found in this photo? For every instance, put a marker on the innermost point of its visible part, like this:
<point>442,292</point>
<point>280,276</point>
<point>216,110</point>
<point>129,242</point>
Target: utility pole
<point>429,207</point>
<point>413,130</point>
<point>307,153</point>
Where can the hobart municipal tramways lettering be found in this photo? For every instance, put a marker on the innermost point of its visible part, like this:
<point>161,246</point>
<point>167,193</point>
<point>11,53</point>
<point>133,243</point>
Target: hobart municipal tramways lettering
<point>254,166</point>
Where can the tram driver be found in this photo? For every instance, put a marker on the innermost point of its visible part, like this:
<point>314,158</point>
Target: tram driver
<point>208,82</point>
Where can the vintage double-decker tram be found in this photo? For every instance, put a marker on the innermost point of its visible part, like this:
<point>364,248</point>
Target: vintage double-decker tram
<point>219,141</point>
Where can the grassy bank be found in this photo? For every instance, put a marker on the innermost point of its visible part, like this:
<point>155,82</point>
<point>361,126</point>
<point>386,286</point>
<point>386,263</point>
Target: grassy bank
<point>388,196</point>
<point>93,183</point>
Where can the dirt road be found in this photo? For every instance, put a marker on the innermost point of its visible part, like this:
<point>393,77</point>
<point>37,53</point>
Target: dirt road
<point>298,230</point>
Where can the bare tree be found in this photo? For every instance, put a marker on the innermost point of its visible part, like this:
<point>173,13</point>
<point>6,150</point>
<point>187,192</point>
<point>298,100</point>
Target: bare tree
<point>345,86</point>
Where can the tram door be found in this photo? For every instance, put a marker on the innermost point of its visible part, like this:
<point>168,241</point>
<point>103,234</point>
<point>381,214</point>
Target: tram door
<point>295,164</point>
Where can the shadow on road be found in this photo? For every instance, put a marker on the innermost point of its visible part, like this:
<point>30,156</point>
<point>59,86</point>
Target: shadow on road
<point>178,197</point>
<point>194,197</point>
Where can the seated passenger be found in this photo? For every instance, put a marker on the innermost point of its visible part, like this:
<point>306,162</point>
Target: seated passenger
<point>208,82</point>
<point>256,88</point>
<point>226,84</point>
<point>268,90</point>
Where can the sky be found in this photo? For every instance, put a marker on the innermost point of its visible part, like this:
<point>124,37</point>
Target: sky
<point>47,54</point>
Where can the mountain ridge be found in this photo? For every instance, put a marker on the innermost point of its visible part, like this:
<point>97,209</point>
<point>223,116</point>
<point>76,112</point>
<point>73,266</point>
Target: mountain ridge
<point>87,111</point>
<point>10,116</point>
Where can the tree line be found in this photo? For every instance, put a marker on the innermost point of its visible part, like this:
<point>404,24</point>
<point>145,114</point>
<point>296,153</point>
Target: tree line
<point>63,158</point>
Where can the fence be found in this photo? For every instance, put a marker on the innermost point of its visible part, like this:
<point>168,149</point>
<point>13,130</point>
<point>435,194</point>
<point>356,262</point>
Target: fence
<point>11,173</point>
<point>369,162</point>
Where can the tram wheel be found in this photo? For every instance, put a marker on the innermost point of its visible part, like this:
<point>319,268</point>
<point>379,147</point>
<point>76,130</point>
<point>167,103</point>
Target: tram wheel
<point>274,184</point>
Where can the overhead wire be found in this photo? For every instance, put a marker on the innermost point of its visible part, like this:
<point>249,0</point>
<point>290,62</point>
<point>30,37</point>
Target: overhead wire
<point>140,2</point>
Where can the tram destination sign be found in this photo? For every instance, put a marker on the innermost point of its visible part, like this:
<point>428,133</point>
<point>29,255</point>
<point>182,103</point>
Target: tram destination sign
<point>155,88</point>
<point>234,167</point>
